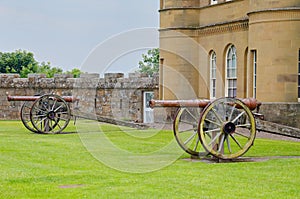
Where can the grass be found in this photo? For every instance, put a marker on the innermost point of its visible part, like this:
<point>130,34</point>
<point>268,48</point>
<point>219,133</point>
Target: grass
<point>59,166</point>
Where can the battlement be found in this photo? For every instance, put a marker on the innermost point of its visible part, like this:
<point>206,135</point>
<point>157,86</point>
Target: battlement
<point>66,81</point>
<point>113,95</point>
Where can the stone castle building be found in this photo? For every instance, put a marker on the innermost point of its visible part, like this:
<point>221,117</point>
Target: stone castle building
<point>236,48</point>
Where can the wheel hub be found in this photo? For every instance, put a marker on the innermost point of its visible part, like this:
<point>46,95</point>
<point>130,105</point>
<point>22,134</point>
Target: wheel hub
<point>51,115</point>
<point>229,128</point>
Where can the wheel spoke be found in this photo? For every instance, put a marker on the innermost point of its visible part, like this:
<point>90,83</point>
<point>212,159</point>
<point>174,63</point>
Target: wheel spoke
<point>40,121</point>
<point>197,143</point>
<point>244,125</point>
<point>241,134</point>
<point>188,111</point>
<point>228,144</point>
<point>37,109</point>
<point>187,122</point>
<point>37,116</point>
<point>231,113</point>
<point>61,118</point>
<point>61,112</point>
<point>187,130</point>
<point>221,144</point>
<point>218,124</point>
<point>190,138</point>
<point>213,130</point>
<point>215,138</point>
<point>27,106</point>
<point>58,108</point>
<point>240,115</point>
<point>217,115</point>
<point>53,106</point>
<point>236,141</point>
<point>46,125</point>
<point>45,107</point>
<point>224,111</point>
<point>58,125</point>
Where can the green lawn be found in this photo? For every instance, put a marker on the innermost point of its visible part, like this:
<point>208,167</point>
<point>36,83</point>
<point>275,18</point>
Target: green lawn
<point>59,166</point>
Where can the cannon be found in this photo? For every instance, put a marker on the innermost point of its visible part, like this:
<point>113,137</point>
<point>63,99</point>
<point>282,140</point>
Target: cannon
<point>48,113</point>
<point>224,128</point>
<point>51,114</point>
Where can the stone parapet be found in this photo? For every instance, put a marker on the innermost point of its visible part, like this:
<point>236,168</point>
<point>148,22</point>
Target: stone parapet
<point>113,96</point>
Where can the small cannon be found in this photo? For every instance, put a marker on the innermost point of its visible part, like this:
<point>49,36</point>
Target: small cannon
<point>45,114</point>
<point>51,114</point>
<point>224,128</point>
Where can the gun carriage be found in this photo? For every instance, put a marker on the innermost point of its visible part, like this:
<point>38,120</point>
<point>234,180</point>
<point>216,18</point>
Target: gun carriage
<point>45,114</point>
<point>224,128</point>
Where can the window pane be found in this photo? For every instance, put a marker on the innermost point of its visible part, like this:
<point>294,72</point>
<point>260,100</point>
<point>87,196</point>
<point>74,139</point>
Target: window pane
<point>234,93</point>
<point>231,71</point>
<point>229,93</point>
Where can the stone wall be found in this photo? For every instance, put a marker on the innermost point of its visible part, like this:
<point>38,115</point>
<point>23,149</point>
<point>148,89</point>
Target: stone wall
<point>112,96</point>
<point>282,113</point>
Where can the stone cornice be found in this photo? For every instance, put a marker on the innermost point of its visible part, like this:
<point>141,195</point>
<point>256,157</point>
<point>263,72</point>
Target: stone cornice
<point>275,9</point>
<point>274,15</point>
<point>197,8</point>
<point>217,28</point>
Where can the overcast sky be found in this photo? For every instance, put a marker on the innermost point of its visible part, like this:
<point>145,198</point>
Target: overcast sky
<point>64,32</point>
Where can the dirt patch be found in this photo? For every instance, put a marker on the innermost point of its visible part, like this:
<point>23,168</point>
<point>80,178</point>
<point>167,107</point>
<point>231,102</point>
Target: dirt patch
<point>71,186</point>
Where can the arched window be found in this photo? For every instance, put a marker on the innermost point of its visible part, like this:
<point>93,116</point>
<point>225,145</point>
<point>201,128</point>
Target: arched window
<point>231,72</point>
<point>213,72</point>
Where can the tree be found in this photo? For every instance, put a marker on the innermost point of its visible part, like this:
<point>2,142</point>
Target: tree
<point>150,63</point>
<point>23,63</point>
<point>18,61</point>
<point>49,71</point>
<point>75,72</point>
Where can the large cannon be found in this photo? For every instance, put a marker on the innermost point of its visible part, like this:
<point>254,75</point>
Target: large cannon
<point>224,128</point>
<point>45,114</point>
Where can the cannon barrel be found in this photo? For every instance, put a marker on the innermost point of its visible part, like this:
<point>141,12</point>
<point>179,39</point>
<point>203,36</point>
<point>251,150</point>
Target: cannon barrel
<point>33,98</point>
<point>179,103</point>
<point>251,103</point>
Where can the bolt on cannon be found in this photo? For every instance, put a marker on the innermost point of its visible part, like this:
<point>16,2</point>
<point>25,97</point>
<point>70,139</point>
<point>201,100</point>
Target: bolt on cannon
<point>224,128</point>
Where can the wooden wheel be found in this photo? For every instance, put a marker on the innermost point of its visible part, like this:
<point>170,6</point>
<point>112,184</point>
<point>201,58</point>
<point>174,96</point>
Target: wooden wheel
<point>227,128</point>
<point>185,130</point>
<point>25,116</point>
<point>50,114</point>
